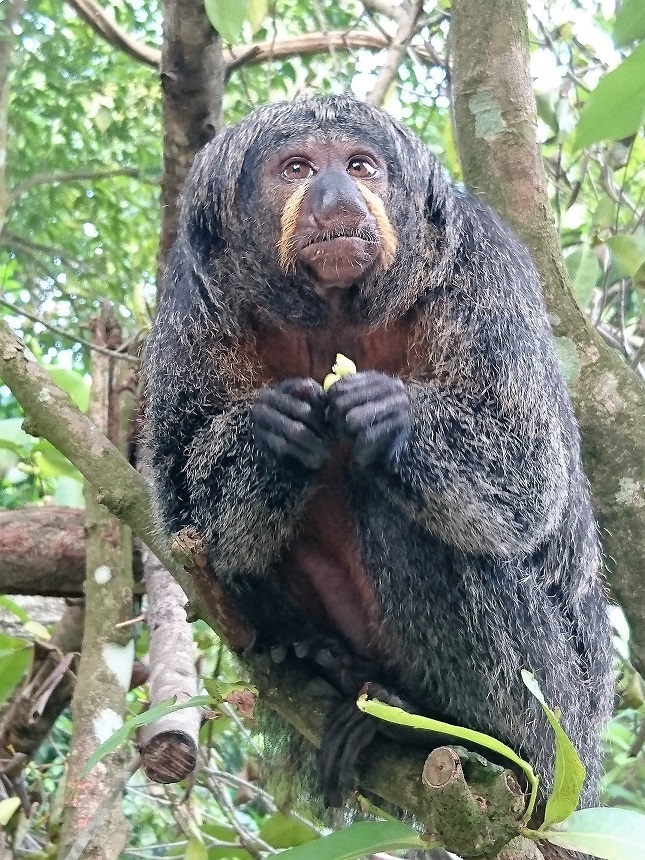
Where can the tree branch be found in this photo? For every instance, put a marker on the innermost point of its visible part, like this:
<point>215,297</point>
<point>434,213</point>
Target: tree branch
<point>42,551</point>
<point>395,54</point>
<point>94,15</point>
<point>496,120</point>
<point>110,353</point>
<point>256,52</point>
<point>74,176</point>
<point>313,43</point>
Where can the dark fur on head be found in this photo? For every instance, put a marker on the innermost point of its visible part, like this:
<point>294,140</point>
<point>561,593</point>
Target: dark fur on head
<point>225,209</point>
<point>478,539</point>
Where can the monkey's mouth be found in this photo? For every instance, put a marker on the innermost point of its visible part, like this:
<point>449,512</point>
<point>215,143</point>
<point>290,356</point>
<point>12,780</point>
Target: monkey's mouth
<point>339,258</point>
<point>366,237</point>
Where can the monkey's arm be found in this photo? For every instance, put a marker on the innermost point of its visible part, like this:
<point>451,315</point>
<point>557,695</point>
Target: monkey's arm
<point>245,500</point>
<point>207,466</point>
<point>481,456</point>
<point>479,480</point>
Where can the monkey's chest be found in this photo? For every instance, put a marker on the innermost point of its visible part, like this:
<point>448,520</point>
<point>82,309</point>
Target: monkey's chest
<point>285,352</point>
<point>323,571</point>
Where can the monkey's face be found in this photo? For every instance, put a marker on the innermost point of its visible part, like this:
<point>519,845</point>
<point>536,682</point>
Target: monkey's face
<point>329,198</point>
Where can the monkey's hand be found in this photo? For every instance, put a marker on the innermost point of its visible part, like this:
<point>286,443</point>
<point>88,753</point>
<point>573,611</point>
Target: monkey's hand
<point>372,411</point>
<point>288,421</point>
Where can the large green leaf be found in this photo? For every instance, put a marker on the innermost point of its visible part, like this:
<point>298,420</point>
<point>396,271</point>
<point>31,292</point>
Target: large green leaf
<point>628,252</point>
<point>8,807</point>
<point>630,22</point>
<point>584,271</point>
<point>285,831</point>
<point>227,17</point>
<point>15,658</point>
<point>403,718</point>
<point>75,384</point>
<point>616,108</point>
<point>359,840</point>
<point>611,834</point>
<point>570,773</point>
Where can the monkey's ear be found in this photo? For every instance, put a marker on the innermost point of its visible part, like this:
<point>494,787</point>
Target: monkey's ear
<point>201,224</point>
<point>443,215</point>
<point>438,190</point>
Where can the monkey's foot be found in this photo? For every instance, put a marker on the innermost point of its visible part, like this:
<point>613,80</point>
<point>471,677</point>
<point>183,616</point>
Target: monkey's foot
<point>347,732</point>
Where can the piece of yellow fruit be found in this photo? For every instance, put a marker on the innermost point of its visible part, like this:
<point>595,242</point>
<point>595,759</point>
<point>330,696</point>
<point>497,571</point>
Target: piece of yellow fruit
<point>342,367</point>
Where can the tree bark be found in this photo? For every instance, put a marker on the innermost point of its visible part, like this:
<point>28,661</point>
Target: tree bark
<point>496,119</point>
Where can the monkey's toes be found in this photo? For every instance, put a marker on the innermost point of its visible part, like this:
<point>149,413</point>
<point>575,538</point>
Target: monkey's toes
<point>347,732</point>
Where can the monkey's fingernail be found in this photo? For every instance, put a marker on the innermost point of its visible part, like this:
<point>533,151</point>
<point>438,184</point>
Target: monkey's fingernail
<point>325,658</point>
<point>301,649</point>
<point>278,653</point>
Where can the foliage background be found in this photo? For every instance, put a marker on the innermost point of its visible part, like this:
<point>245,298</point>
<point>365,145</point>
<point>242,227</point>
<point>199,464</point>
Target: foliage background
<point>80,221</point>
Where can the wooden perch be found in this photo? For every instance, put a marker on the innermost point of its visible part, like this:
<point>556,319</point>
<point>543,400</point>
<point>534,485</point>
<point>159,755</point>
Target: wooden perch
<point>169,746</point>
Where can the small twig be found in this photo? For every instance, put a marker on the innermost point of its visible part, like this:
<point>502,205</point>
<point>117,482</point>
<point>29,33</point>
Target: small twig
<point>38,248</point>
<point>94,15</point>
<point>386,7</point>
<point>123,356</point>
<point>395,54</point>
<point>253,844</point>
<point>73,176</point>
<point>130,622</point>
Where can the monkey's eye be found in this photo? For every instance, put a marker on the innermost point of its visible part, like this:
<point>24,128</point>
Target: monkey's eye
<point>297,169</point>
<point>361,168</point>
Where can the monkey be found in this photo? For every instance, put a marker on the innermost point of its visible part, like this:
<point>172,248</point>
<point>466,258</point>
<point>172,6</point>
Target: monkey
<point>424,526</point>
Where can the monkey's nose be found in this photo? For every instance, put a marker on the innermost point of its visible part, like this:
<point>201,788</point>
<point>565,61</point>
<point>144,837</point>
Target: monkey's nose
<point>334,197</point>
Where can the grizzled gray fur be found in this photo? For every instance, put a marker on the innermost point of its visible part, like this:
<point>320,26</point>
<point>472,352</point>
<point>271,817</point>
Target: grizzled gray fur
<point>478,538</point>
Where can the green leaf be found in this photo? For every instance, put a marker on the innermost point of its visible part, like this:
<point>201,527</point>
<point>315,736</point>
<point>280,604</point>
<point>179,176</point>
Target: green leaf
<point>616,108</point>
<point>12,432</point>
<point>257,13</point>
<point>14,608</point>
<point>630,22</point>
<point>359,840</point>
<point>227,17</point>
<point>569,773</point>
<point>7,808</point>
<point>38,631</point>
<point>122,734</point>
<point>51,463</point>
<point>284,831</point>
<point>223,834</point>
<point>414,721</point>
<point>195,849</point>
<point>75,384</point>
<point>68,492</point>
<point>15,659</point>
<point>584,271</point>
<point>611,834</point>
<point>628,252</point>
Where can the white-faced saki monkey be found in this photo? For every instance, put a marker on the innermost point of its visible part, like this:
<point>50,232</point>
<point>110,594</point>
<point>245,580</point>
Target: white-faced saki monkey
<point>424,526</point>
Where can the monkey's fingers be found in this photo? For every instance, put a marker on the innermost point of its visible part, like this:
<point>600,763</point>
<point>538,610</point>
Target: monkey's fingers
<point>307,449</point>
<point>274,401</point>
<point>383,441</point>
<point>366,386</point>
